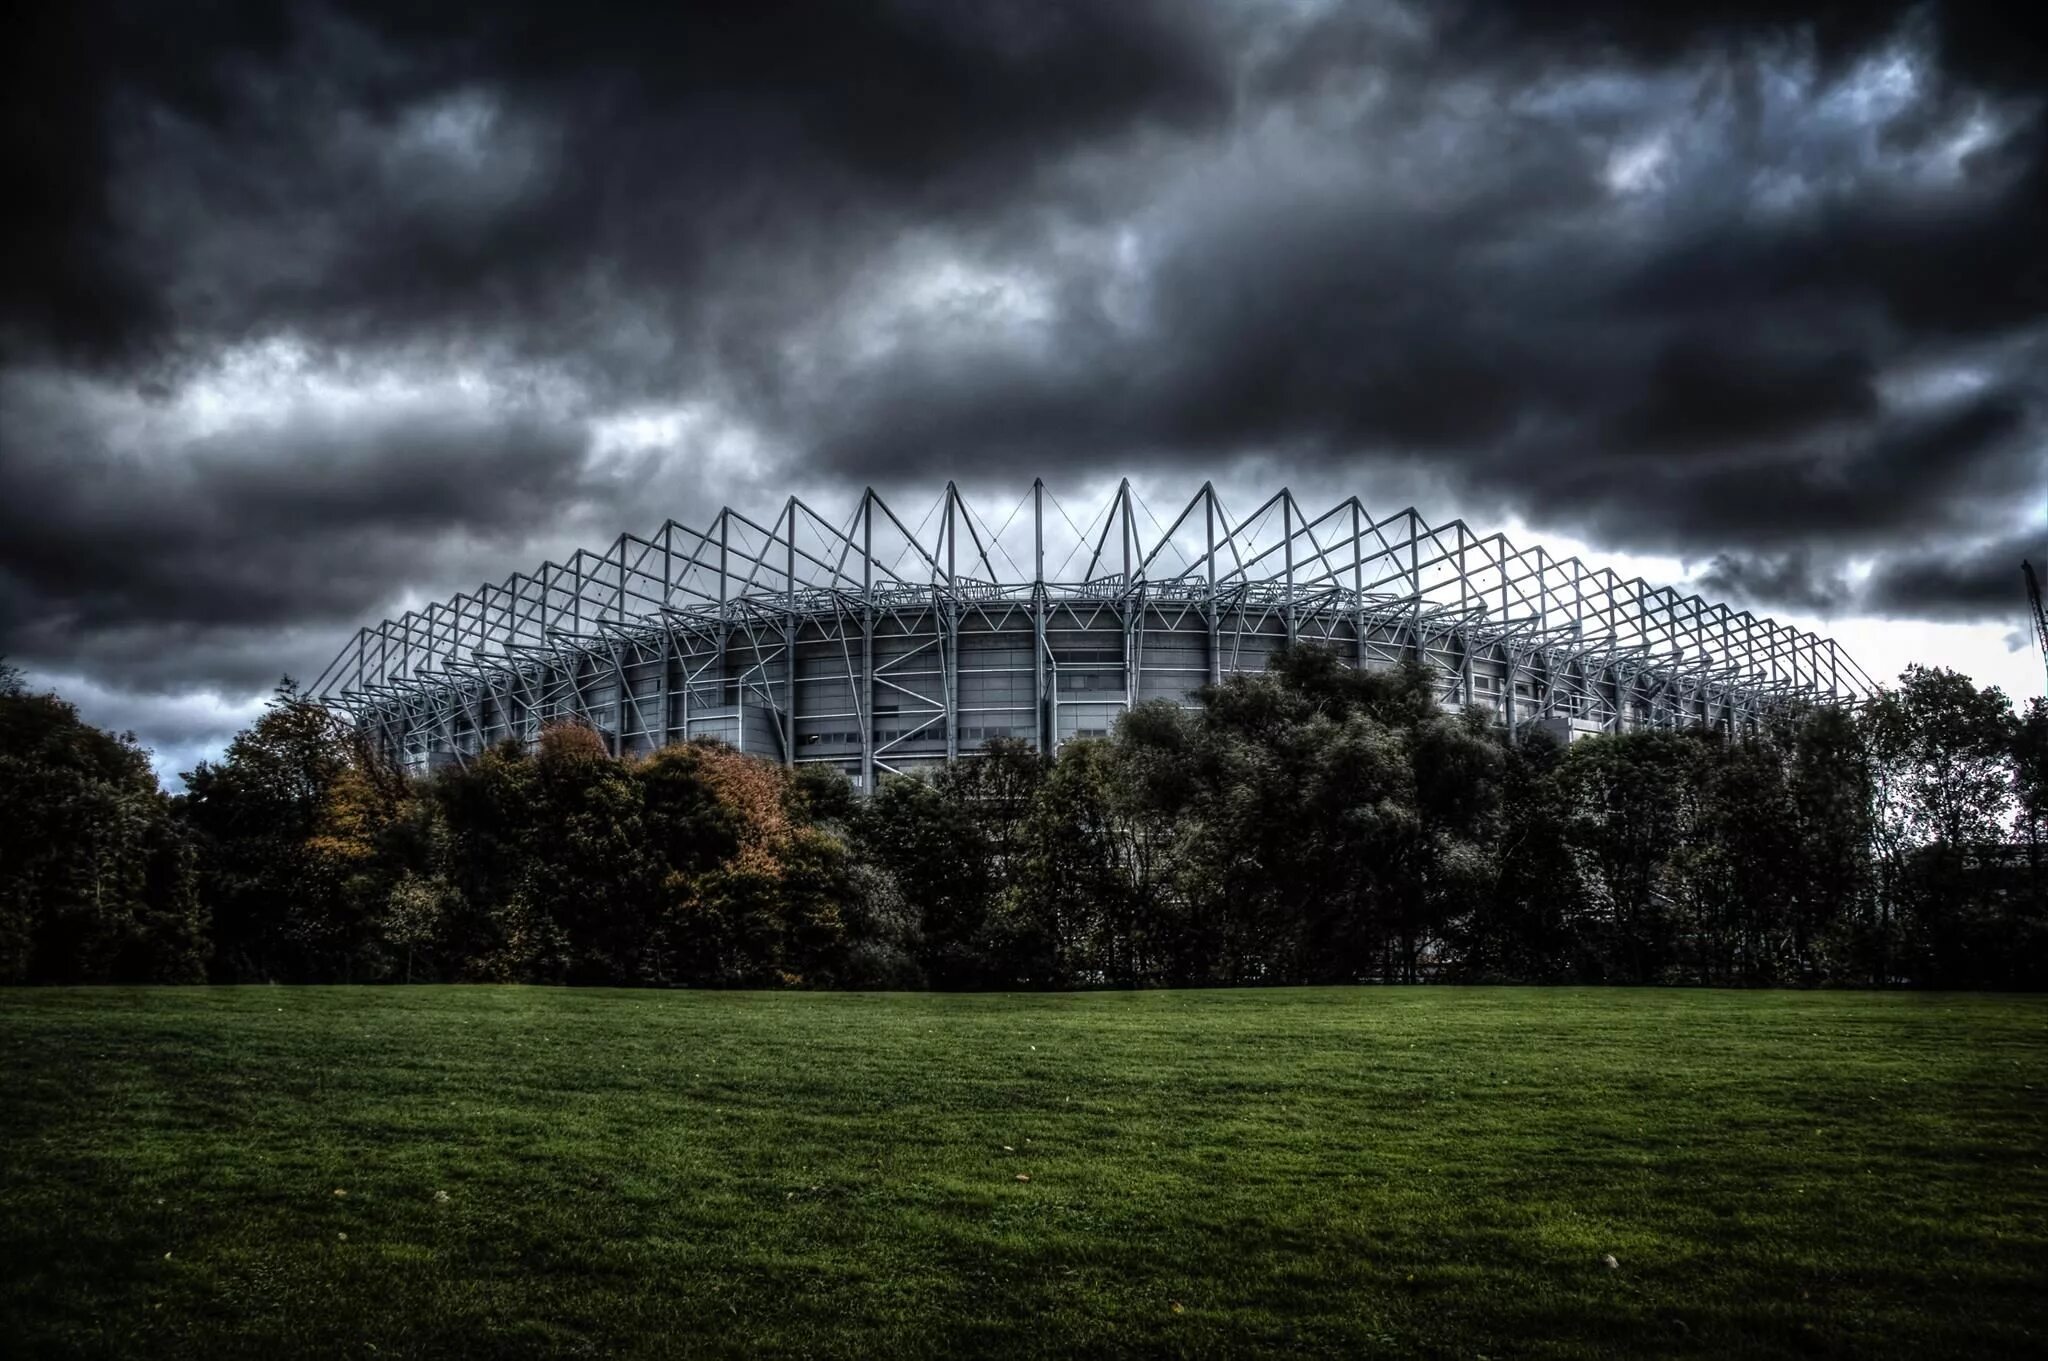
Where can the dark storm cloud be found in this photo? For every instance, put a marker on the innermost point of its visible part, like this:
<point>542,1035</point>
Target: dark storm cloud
<point>1705,392</point>
<point>1790,580</point>
<point>1488,326</point>
<point>1754,289</point>
<point>117,554</point>
<point>1989,44</point>
<point>1856,488</point>
<point>1980,582</point>
<point>493,172</point>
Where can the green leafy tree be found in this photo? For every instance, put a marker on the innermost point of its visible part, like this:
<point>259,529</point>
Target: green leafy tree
<point>1302,850</point>
<point>591,876</point>
<point>1631,798</point>
<point>2029,904</point>
<point>1457,767</point>
<point>1831,914</point>
<point>2030,779</point>
<point>1738,868</point>
<point>931,845</point>
<point>689,831</point>
<point>413,915</point>
<point>1941,752</point>
<point>254,813</point>
<point>96,877</point>
<point>1075,903</point>
<point>1528,923</point>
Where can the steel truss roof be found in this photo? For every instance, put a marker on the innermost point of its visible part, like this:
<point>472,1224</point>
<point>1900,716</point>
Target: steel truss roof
<point>1392,572</point>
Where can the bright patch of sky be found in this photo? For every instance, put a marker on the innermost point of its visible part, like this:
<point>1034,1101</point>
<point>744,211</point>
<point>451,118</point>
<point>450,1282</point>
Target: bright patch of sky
<point>191,726</point>
<point>280,380</point>
<point>1639,166</point>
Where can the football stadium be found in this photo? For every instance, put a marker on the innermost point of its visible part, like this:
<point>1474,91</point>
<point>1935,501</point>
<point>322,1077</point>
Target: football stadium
<point>879,642</point>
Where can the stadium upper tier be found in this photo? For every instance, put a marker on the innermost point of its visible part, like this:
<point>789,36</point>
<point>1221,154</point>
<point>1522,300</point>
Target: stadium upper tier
<point>877,646</point>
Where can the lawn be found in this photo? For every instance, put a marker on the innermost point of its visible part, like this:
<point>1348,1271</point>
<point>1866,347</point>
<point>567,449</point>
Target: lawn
<point>506,1171</point>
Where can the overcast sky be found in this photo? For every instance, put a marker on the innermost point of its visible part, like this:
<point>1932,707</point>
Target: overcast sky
<point>312,312</point>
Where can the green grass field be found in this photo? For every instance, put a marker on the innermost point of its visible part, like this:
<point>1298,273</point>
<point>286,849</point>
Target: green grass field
<point>1342,1172</point>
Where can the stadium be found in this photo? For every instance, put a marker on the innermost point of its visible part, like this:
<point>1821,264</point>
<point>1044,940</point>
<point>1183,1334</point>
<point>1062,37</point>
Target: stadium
<point>875,646</point>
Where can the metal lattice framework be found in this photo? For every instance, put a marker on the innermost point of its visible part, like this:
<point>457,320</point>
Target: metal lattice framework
<point>877,647</point>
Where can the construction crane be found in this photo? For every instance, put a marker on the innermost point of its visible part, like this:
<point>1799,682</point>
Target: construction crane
<point>2040,615</point>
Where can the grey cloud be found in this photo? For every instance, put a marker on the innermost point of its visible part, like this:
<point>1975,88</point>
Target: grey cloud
<point>493,173</point>
<point>1979,581</point>
<point>317,519</point>
<point>1786,580</point>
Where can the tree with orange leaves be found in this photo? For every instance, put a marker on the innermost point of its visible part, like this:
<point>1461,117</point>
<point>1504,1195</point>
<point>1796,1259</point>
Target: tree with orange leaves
<point>752,892</point>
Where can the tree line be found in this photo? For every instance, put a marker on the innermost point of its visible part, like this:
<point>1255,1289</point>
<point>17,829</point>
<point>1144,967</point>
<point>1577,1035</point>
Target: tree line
<point>1312,824</point>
